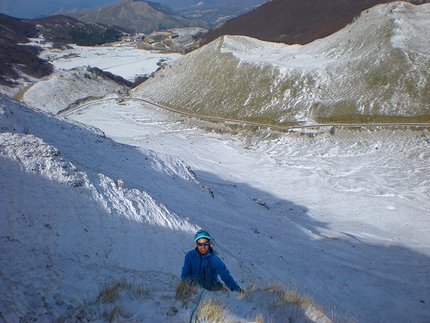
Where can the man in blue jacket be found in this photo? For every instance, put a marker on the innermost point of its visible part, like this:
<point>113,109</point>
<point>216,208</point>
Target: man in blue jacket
<point>202,266</point>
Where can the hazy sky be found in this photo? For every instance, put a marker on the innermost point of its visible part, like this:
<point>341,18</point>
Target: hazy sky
<point>34,8</point>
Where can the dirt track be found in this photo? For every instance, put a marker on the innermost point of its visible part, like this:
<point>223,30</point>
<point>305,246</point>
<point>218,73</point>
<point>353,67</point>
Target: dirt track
<point>253,124</point>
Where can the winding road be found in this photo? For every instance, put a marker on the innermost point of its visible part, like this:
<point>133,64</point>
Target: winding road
<point>68,111</point>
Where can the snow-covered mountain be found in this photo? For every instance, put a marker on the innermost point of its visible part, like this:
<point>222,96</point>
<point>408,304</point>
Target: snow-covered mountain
<point>376,69</point>
<point>295,21</point>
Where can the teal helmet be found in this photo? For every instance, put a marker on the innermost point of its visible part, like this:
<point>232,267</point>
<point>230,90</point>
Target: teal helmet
<point>202,234</point>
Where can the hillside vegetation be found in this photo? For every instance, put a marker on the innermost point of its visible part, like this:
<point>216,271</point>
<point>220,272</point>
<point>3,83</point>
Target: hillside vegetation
<point>375,70</point>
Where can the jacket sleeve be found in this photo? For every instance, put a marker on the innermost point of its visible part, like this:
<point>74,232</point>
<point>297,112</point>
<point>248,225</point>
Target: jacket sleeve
<point>186,268</point>
<point>226,276</point>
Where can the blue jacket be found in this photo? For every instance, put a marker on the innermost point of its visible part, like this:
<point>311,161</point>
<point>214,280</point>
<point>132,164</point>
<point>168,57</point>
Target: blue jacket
<point>205,269</point>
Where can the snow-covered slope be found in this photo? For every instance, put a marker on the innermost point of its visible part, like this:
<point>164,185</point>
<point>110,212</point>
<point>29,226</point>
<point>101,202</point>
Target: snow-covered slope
<point>72,200</point>
<point>344,217</point>
<point>76,80</point>
<point>376,69</point>
<point>66,88</point>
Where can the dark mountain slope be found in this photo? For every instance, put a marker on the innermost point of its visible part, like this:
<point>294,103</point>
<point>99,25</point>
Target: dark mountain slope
<point>61,30</point>
<point>294,21</point>
<point>15,57</point>
<point>66,30</point>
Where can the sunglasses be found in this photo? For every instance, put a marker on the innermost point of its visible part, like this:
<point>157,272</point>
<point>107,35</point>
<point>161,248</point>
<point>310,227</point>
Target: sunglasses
<point>203,244</point>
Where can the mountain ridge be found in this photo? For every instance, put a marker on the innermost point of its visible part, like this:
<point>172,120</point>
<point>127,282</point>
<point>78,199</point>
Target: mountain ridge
<point>139,16</point>
<point>328,80</point>
<point>294,22</point>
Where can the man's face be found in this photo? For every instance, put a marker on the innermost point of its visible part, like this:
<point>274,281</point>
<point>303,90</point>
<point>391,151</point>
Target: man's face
<point>202,245</point>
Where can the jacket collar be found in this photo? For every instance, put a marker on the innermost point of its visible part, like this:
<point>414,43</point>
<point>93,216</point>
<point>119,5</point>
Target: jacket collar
<point>207,254</point>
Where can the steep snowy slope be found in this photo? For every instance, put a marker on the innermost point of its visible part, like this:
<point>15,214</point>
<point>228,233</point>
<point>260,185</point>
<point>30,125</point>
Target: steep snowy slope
<point>344,217</point>
<point>80,214</point>
<point>376,69</point>
<point>76,212</point>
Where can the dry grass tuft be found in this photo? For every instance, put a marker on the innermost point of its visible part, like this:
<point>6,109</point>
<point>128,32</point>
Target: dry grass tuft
<point>185,291</point>
<point>111,293</point>
<point>285,304</point>
<point>259,319</point>
<point>114,314</point>
<point>212,310</point>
